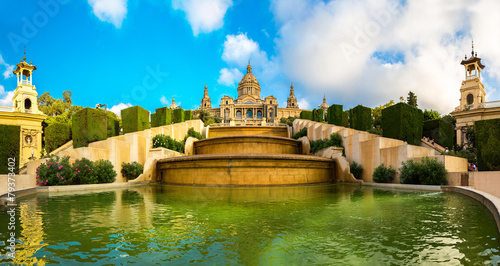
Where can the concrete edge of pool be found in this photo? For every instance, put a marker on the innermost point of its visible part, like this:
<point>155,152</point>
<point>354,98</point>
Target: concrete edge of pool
<point>491,202</point>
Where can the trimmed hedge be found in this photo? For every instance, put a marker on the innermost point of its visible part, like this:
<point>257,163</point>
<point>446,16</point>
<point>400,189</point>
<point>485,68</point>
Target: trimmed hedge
<point>335,114</point>
<point>56,135</point>
<point>440,131</point>
<point>10,141</point>
<point>360,118</point>
<point>188,115</point>
<point>178,115</point>
<point>88,125</point>
<point>306,115</point>
<point>487,143</point>
<point>134,119</point>
<point>162,117</point>
<point>404,122</point>
<point>318,115</point>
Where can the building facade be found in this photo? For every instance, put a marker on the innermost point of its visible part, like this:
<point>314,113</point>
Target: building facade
<point>24,113</point>
<point>249,107</point>
<point>473,106</point>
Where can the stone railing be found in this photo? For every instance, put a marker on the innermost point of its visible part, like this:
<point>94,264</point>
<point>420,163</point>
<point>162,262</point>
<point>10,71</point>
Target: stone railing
<point>6,109</point>
<point>491,104</point>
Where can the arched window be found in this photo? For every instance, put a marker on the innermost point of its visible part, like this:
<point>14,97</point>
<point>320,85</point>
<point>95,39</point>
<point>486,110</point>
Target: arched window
<point>249,114</point>
<point>259,114</point>
<point>270,102</point>
<point>27,104</point>
<point>226,102</point>
<point>271,114</point>
<point>227,113</point>
<point>470,99</point>
<point>238,114</point>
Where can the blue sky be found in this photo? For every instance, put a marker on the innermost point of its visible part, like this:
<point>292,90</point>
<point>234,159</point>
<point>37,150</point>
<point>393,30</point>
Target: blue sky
<point>131,52</point>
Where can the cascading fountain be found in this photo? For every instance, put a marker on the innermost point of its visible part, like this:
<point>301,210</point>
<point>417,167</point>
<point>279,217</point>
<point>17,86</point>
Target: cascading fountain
<point>266,159</point>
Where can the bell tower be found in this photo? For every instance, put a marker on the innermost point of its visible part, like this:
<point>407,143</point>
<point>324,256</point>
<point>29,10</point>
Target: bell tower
<point>206,103</point>
<point>25,95</point>
<point>472,93</point>
<point>292,101</point>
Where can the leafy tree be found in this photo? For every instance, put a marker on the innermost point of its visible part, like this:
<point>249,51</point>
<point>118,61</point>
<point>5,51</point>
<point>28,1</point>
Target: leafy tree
<point>377,113</point>
<point>412,99</point>
<point>431,115</point>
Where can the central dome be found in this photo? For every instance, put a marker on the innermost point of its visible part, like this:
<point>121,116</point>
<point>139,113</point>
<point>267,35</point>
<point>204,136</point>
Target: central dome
<point>249,86</point>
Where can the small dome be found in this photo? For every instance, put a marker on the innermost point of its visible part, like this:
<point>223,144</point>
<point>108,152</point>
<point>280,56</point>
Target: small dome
<point>249,77</point>
<point>173,105</point>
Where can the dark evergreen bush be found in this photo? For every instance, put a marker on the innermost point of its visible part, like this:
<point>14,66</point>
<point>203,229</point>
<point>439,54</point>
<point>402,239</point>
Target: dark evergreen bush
<point>384,174</point>
<point>131,170</point>
<point>188,115</point>
<point>104,171</point>
<point>442,132</point>
<point>306,115</point>
<point>162,117</point>
<point>487,140</point>
<point>134,119</point>
<point>356,169</point>
<point>317,115</point>
<point>10,149</point>
<point>427,172</point>
<point>301,133</point>
<point>88,125</point>
<point>360,118</point>
<point>404,122</point>
<point>178,115</point>
<point>56,135</point>
<point>335,114</point>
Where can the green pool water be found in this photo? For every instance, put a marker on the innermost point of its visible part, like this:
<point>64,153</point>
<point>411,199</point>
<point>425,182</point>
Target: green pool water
<point>327,224</point>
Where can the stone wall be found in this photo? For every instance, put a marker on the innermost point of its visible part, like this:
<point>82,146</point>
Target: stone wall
<point>488,182</point>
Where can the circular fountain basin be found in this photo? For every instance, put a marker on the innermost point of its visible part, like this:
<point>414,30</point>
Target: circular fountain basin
<point>248,130</point>
<point>248,144</point>
<point>251,169</point>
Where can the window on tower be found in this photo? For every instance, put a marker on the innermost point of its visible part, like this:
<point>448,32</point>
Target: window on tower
<point>470,99</point>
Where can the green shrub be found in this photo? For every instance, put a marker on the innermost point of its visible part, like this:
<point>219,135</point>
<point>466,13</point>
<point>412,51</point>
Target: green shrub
<point>55,171</point>
<point>167,142</point>
<point>83,170</point>
<point>113,126</point>
<point>88,125</point>
<point>360,118</point>
<point>335,114</point>
<point>188,115</point>
<point>10,150</point>
<point>356,169</point>
<point>306,115</point>
<point>317,115</point>
<point>56,135</point>
<point>427,172</point>
<point>442,132</point>
<point>104,171</point>
<point>335,141</point>
<point>131,170</point>
<point>288,121</point>
<point>134,119</point>
<point>345,118</point>
<point>162,117</point>
<point>384,174</point>
<point>376,131</point>
<point>178,115</point>
<point>193,133</point>
<point>301,133</point>
<point>404,122</point>
<point>487,140</point>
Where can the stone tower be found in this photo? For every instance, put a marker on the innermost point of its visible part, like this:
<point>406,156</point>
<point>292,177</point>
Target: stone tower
<point>205,101</point>
<point>292,101</point>
<point>324,105</point>
<point>472,93</point>
<point>25,95</point>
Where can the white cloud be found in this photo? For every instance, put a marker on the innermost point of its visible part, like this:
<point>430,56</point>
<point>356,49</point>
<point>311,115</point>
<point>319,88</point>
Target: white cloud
<point>164,101</point>
<point>5,97</point>
<point>112,11</point>
<point>229,76</point>
<point>8,68</point>
<point>369,52</point>
<point>119,107</point>
<point>204,16</point>
<point>238,49</point>
<point>303,103</point>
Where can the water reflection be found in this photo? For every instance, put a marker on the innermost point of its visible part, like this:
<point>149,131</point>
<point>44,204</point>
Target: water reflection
<point>325,224</point>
